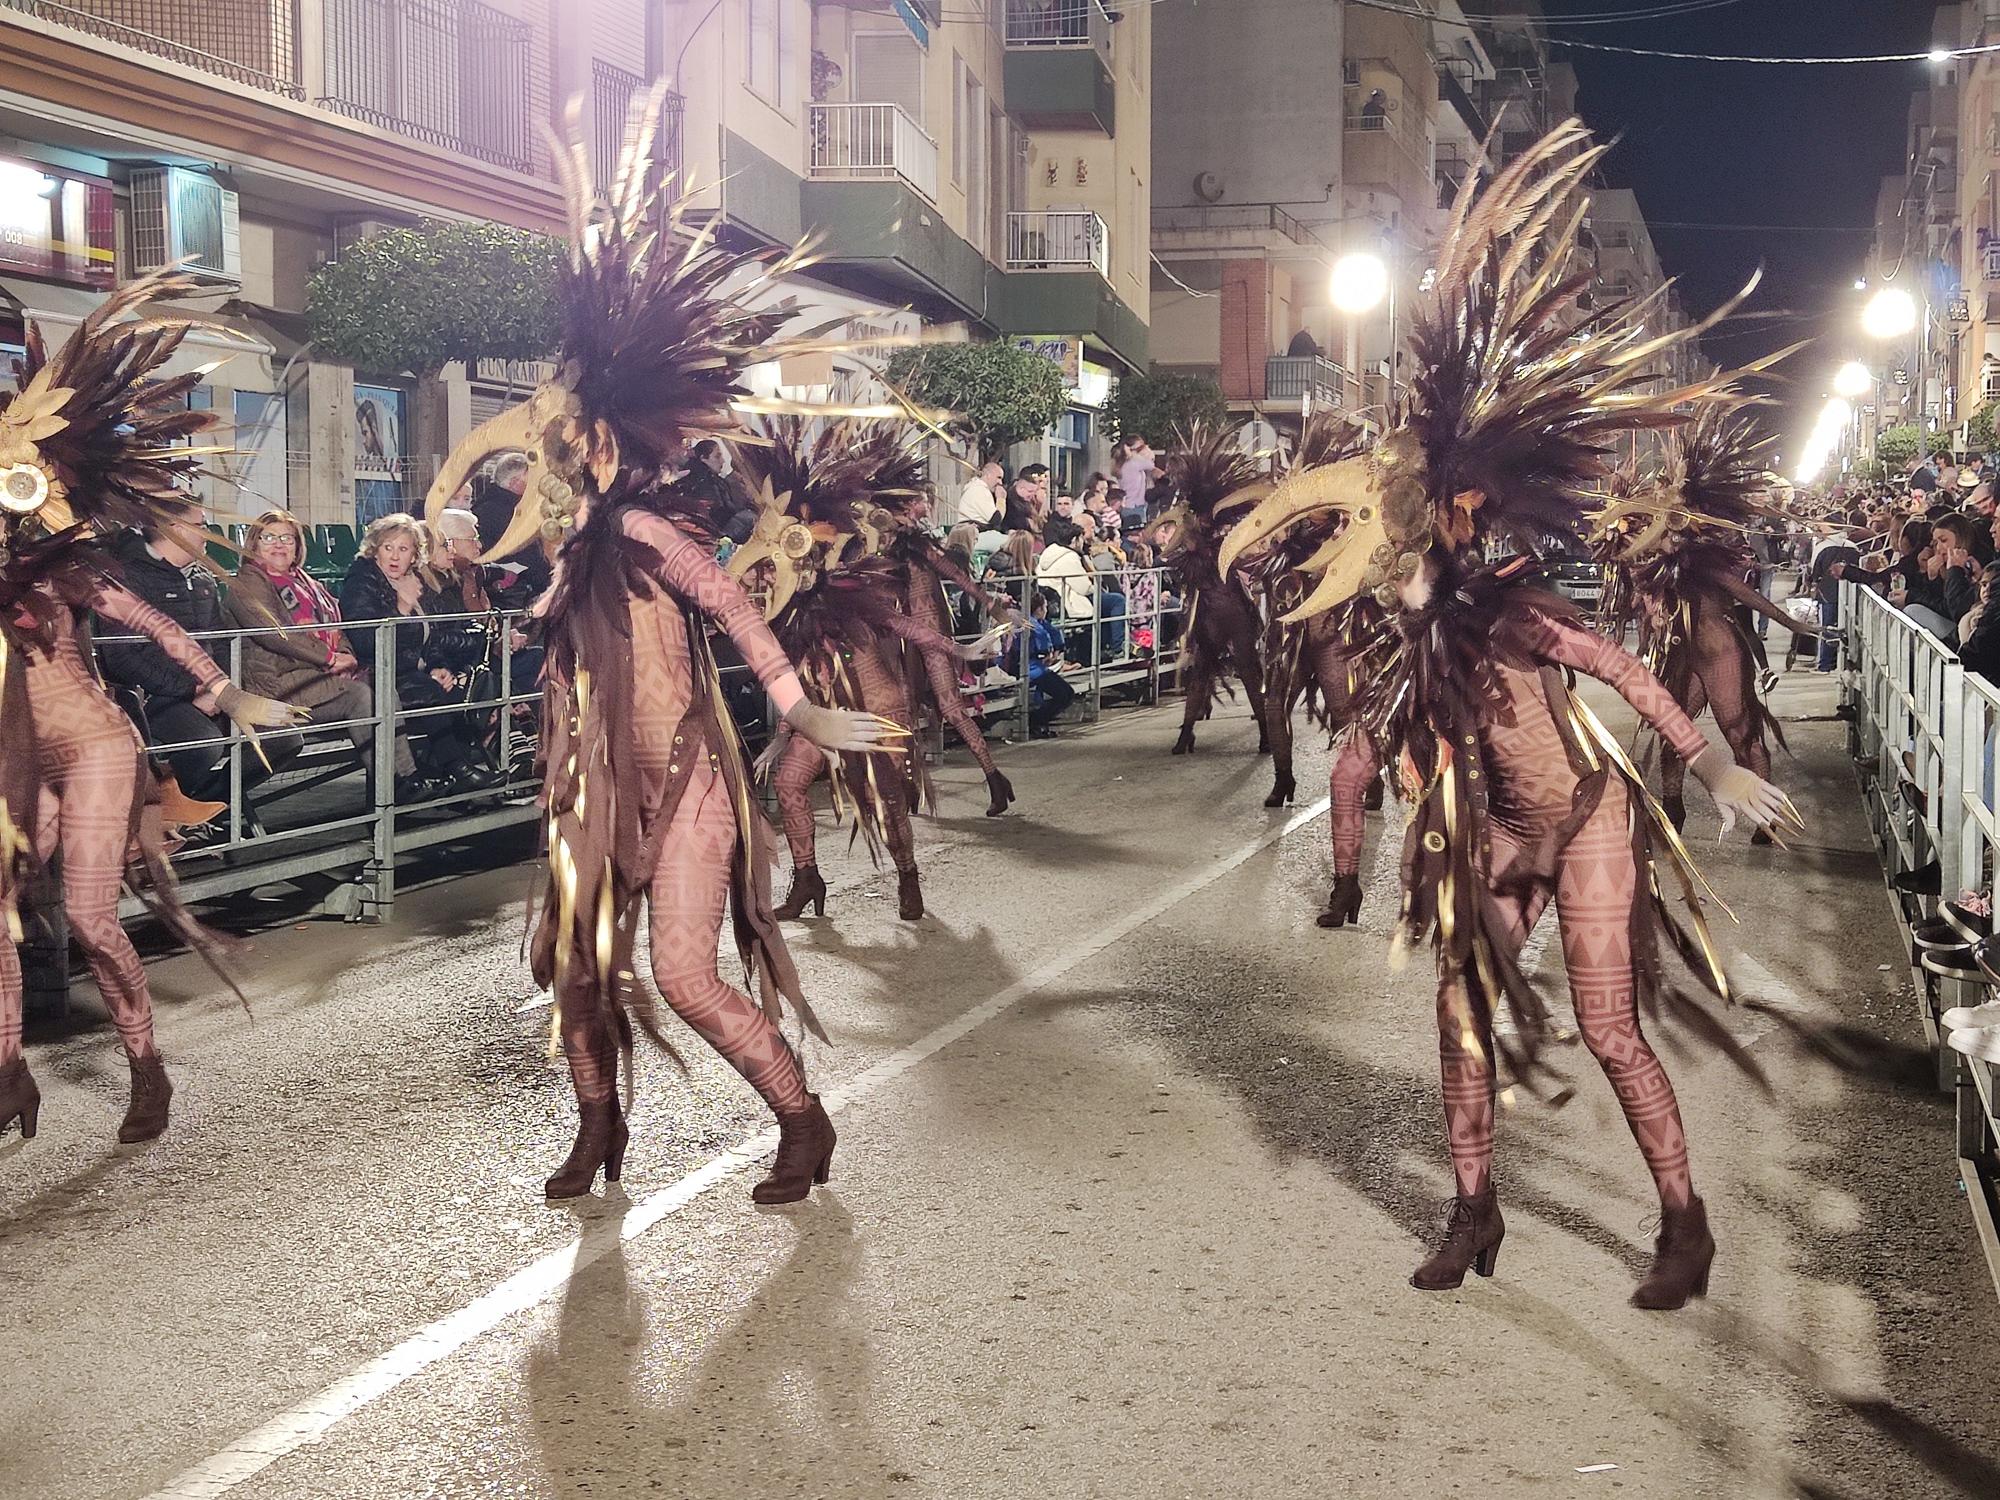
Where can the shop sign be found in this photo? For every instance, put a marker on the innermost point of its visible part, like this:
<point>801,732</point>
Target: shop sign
<point>1061,350</point>
<point>57,225</point>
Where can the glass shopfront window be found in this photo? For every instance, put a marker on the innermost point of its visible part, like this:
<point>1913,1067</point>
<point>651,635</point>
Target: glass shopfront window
<point>57,225</point>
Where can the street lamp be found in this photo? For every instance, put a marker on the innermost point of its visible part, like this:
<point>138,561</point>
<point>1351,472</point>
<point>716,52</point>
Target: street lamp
<point>1852,380</point>
<point>1359,285</point>
<point>1891,313</point>
<point>1360,282</point>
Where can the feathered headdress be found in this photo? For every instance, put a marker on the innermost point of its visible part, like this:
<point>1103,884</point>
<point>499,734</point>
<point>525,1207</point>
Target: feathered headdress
<point>1509,418</point>
<point>656,329</point>
<point>1213,478</point>
<point>1711,486</point>
<point>827,491</point>
<point>91,443</point>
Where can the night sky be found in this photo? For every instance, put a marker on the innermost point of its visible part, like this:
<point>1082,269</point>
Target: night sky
<point>1731,143</point>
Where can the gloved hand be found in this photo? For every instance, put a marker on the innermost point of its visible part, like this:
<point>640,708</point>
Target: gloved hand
<point>250,712</point>
<point>835,730</point>
<point>1743,793</point>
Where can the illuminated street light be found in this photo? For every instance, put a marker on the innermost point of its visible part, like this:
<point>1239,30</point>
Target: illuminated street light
<point>1360,282</point>
<point>1834,417</point>
<point>1853,381</point>
<point>1891,313</point>
<point>1941,54</point>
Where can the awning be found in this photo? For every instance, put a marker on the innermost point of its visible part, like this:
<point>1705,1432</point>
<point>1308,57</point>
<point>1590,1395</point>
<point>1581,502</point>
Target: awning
<point>59,310</point>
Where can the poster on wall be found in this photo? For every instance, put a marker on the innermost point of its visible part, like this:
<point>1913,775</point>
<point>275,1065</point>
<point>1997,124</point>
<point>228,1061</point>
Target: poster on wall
<point>379,460</point>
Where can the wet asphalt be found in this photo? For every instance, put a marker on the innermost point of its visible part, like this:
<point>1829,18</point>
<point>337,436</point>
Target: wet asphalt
<point>1135,1162</point>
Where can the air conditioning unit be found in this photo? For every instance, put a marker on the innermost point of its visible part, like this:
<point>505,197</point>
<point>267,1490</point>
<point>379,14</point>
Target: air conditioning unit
<point>187,218</point>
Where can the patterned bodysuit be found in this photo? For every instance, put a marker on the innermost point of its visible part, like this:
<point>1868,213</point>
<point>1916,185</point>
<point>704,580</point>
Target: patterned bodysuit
<point>1595,883</point>
<point>90,760</point>
<point>1715,668</point>
<point>802,762</point>
<point>689,892</point>
<point>923,596</point>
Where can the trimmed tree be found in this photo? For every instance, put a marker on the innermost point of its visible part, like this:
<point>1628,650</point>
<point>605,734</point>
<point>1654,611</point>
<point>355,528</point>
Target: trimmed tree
<point>998,395</point>
<point>1979,429</point>
<point>1896,446</point>
<point>416,299</point>
<point>1156,406</point>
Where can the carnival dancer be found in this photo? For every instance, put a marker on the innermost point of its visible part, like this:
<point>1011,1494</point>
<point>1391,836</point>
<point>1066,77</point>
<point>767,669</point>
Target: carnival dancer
<point>1519,795</point>
<point>91,443</point>
<point>1222,630</point>
<point>902,517</point>
<point>1676,550</point>
<point>836,605</point>
<point>646,784</point>
<point>1310,662</point>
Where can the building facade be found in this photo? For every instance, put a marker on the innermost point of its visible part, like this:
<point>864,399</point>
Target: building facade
<point>982,167</point>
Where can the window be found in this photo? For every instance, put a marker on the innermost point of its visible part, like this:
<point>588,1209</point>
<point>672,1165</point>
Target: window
<point>764,72</point>
<point>961,85</point>
<point>56,225</point>
<point>1136,235</point>
<point>258,465</point>
<point>888,69</point>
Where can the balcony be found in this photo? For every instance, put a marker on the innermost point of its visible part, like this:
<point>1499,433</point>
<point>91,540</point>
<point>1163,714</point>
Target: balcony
<point>1295,379</point>
<point>1058,65</point>
<point>450,73</point>
<point>1379,155</point>
<point>1992,255</point>
<point>250,42</point>
<point>1228,220</point>
<point>1059,240</point>
<point>612,92</point>
<point>873,143</point>
<point>1059,24</point>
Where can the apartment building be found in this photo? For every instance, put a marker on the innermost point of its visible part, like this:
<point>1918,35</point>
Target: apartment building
<point>984,167</point>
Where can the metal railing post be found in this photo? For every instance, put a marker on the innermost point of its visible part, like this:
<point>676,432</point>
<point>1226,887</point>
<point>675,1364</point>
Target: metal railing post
<point>381,873</point>
<point>235,751</point>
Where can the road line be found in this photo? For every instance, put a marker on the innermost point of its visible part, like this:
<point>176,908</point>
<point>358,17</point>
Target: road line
<point>311,1420</point>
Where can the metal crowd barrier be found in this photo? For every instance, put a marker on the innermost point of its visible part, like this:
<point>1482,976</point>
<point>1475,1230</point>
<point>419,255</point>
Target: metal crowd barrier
<point>1922,733</point>
<point>305,825</point>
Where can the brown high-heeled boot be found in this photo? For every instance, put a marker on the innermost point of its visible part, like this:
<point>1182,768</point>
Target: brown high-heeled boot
<point>19,1098</point>
<point>146,1117</point>
<point>601,1138</point>
<point>1472,1236</point>
<point>1001,791</point>
<point>807,890</point>
<point>909,895</point>
<point>805,1156</point>
<point>1682,1256</point>
<point>1343,902</point>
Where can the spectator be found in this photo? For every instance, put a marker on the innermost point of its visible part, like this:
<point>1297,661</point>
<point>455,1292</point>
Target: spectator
<point>1768,545</point>
<point>1835,553</point>
<point>522,578</point>
<point>1971,539</point>
<point>1060,569</point>
<point>1048,693</point>
<point>1136,472</point>
<point>163,568</point>
<point>1025,499</point>
<point>979,501</point>
<point>705,493</point>
<point>1062,527</point>
<point>305,660</point>
<point>431,663</point>
<point>1923,479</point>
<point>460,581</point>
<point>1303,346</point>
<point>1980,651</point>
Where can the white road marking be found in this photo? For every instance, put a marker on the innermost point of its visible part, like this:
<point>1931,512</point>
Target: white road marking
<point>317,1415</point>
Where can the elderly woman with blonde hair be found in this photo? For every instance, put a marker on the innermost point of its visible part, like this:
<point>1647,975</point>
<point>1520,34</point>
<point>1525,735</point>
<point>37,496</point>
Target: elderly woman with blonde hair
<point>431,661</point>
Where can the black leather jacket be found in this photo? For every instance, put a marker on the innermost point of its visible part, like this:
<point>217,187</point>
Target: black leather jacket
<point>421,647</point>
<point>190,598</point>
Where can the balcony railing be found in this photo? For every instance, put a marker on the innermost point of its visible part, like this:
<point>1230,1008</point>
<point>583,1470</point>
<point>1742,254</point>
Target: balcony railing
<point>1293,377</point>
<point>1058,240</point>
<point>250,42</point>
<point>452,73</point>
<point>1058,23</point>
<point>1993,261</point>
<point>1208,217</point>
<point>873,143</point>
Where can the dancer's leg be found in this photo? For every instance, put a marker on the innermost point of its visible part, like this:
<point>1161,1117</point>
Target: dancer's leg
<point>801,764</point>
<point>1465,1044</point>
<point>1355,769</point>
<point>95,795</point>
<point>1673,770</point>
<point>689,892</point>
<point>1597,885</point>
<point>10,1001</point>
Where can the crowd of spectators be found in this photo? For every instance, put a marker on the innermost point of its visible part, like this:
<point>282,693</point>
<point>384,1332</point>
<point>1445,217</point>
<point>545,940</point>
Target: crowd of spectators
<point>1926,544</point>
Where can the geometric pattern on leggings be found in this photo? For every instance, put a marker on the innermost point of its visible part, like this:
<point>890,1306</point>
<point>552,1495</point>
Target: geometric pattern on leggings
<point>802,764</point>
<point>1596,887</point>
<point>89,761</point>
<point>1355,767</point>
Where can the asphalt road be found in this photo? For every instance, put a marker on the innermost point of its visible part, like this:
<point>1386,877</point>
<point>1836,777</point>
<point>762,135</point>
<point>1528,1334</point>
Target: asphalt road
<point>1135,1162</point>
